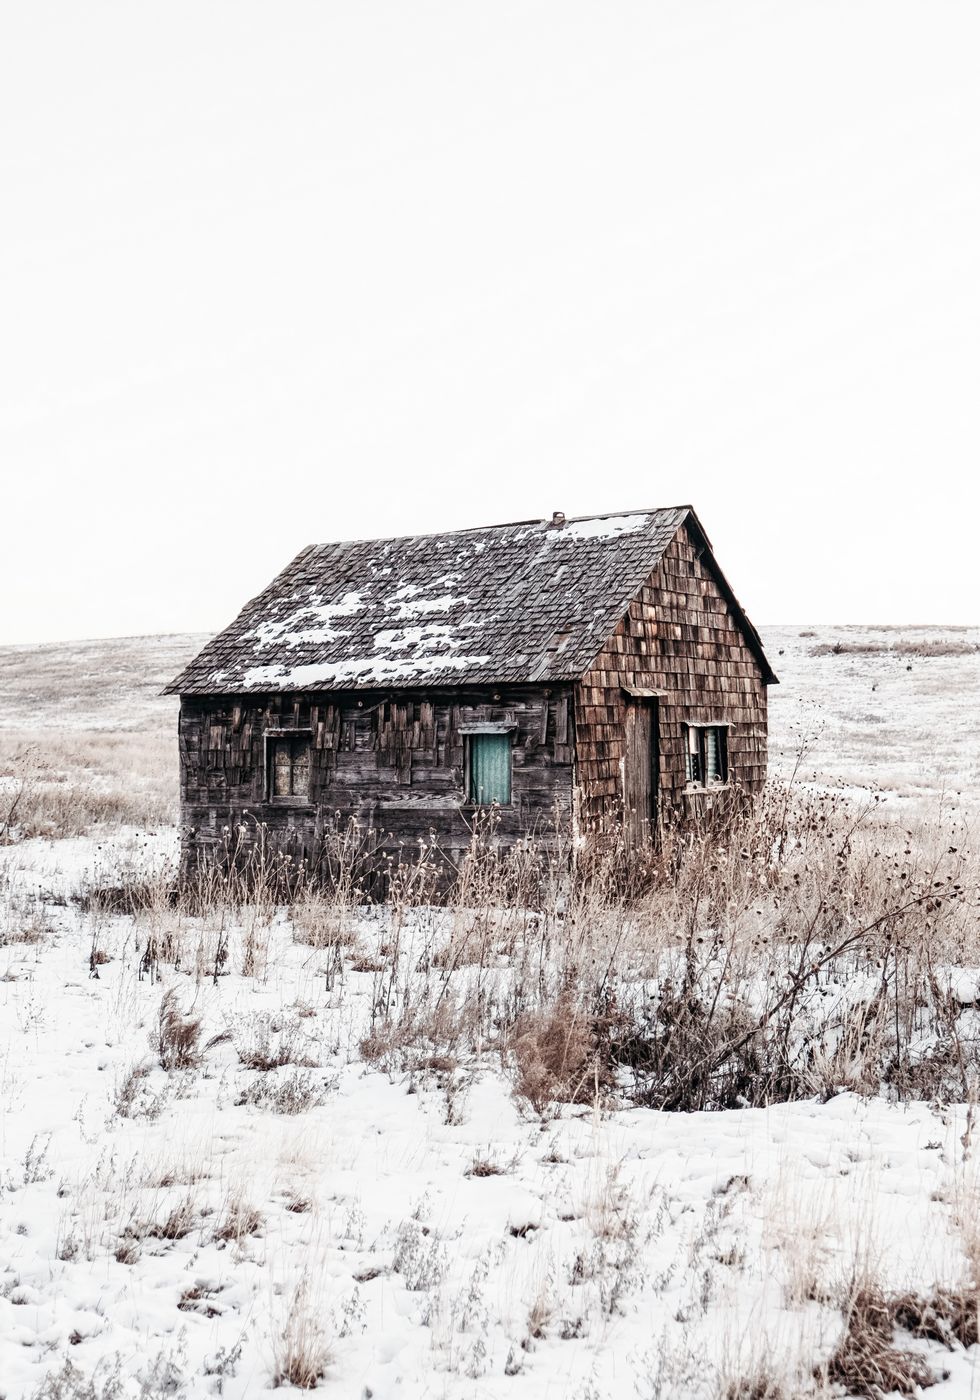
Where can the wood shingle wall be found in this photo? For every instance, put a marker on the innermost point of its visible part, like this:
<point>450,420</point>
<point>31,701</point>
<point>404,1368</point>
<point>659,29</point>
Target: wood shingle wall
<point>680,639</point>
<point>393,761</point>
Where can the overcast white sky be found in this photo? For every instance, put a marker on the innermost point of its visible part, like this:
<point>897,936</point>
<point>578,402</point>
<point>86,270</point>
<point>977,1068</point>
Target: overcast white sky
<point>280,273</point>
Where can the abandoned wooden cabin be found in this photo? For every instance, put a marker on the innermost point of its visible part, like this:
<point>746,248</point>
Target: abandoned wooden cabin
<point>573,675</point>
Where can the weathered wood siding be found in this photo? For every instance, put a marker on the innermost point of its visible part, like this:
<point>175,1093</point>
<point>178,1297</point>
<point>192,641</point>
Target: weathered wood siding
<point>394,761</point>
<point>681,640</point>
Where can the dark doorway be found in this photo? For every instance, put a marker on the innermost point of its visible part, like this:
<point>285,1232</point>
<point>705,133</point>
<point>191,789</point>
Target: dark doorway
<point>641,779</point>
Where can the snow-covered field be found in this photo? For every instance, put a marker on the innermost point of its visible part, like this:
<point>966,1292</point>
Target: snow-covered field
<point>237,1141</point>
<point>894,709</point>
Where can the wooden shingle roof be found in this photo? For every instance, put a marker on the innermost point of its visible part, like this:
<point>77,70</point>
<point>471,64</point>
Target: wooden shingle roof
<point>531,601</point>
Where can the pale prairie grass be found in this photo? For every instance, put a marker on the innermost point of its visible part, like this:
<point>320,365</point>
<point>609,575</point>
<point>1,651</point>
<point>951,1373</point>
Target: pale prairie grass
<point>57,785</point>
<point>302,1353</point>
<point>799,1228</point>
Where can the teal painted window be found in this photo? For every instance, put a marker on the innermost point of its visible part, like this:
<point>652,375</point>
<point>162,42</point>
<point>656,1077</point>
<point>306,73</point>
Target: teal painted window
<point>489,769</point>
<point>712,756</point>
<point>706,755</point>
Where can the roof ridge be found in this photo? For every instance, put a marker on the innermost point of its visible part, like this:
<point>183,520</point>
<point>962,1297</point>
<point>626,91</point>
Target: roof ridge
<point>498,525</point>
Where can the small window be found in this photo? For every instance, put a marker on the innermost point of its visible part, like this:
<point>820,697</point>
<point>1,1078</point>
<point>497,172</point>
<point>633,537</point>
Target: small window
<point>289,766</point>
<point>489,769</point>
<point>707,755</point>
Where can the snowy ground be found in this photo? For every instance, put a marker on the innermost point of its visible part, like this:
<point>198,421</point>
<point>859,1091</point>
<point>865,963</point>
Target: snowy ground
<point>447,1245</point>
<point>882,712</point>
<point>164,1232</point>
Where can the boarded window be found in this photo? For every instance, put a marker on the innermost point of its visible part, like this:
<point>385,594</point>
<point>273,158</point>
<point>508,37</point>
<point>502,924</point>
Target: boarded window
<point>706,755</point>
<point>289,766</point>
<point>489,776</point>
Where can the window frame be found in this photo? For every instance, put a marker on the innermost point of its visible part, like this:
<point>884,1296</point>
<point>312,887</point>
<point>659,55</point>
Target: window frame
<point>701,784</point>
<point>475,731</point>
<point>270,738</point>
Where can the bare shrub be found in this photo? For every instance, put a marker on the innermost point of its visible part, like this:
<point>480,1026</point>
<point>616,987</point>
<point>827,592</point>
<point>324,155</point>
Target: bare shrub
<point>793,948</point>
<point>782,949</point>
<point>686,1050</point>
<point>21,777</point>
<point>178,1034</point>
<point>301,1351</point>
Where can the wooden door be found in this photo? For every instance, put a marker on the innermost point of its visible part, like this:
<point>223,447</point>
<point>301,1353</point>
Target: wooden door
<point>641,777</point>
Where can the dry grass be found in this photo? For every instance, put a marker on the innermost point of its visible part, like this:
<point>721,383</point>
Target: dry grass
<point>267,1043</point>
<point>947,646</point>
<point>871,713</point>
<point>758,1386</point>
<point>554,1057</point>
<point>803,949</point>
<point>295,1092</point>
<point>239,1219</point>
<point>947,1315</point>
<point>177,1039</point>
<point>485,1166</point>
<point>86,739</point>
<point>301,1354</point>
<point>110,683</point>
<point>57,785</point>
<point>866,1361</point>
<point>174,1223</point>
<point>799,949</point>
<point>69,1383</point>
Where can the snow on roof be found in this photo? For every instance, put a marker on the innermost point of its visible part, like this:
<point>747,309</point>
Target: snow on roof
<point>603,527</point>
<point>533,601</point>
